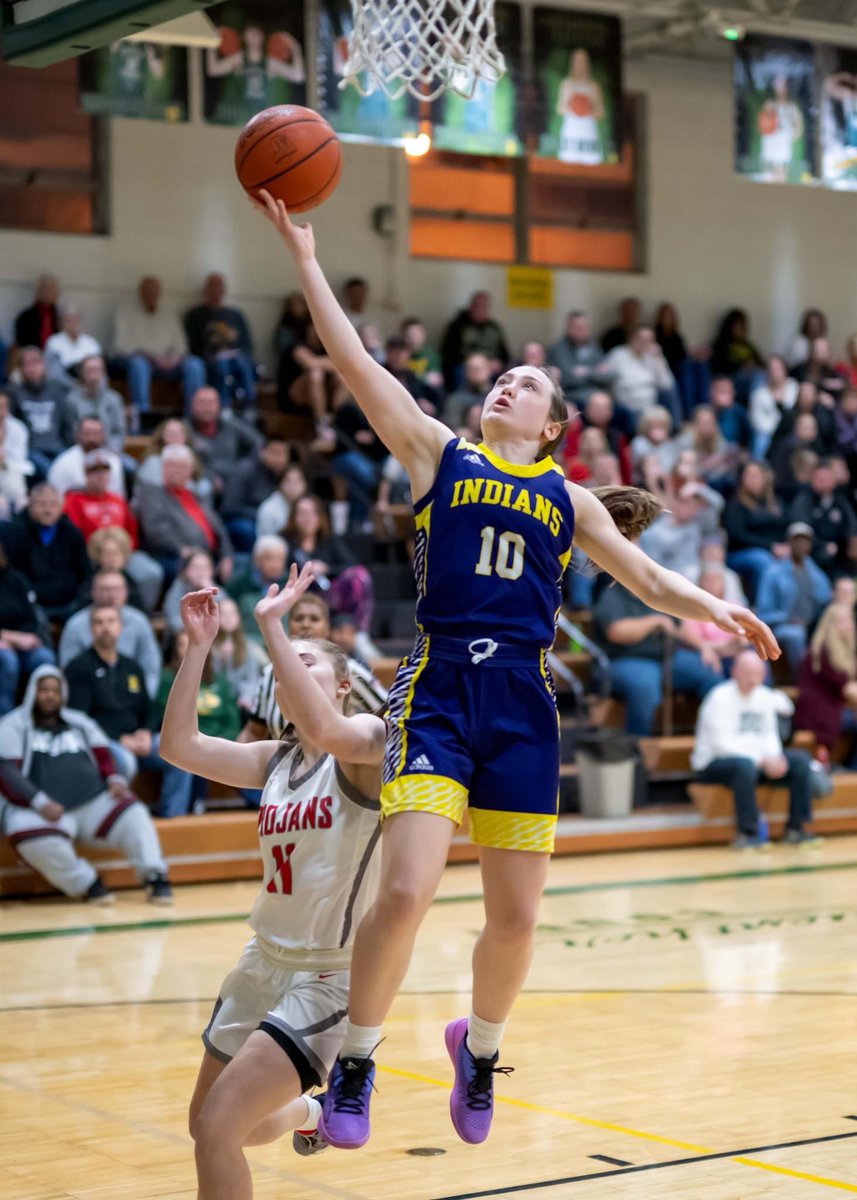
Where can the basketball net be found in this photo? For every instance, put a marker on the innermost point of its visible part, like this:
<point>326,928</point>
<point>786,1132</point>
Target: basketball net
<point>424,47</point>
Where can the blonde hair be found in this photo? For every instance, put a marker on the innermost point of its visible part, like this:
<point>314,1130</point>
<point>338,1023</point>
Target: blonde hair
<point>655,416</point>
<point>841,648</point>
<point>110,533</point>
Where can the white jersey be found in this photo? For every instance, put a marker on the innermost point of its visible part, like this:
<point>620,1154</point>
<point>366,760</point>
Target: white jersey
<point>318,836</point>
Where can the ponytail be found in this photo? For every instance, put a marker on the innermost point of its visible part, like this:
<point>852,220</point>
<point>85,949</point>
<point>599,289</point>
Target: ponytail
<point>632,509</point>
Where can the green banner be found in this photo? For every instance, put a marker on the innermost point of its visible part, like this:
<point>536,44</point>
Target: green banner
<point>776,128</point>
<point>578,74</point>
<point>135,79</point>
<point>259,62</point>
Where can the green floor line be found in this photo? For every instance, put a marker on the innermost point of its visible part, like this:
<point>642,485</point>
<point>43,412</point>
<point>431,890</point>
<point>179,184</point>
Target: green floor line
<point>576,889</point>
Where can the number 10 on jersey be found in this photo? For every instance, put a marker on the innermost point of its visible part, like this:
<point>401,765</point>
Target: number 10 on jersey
<point>507,560</point>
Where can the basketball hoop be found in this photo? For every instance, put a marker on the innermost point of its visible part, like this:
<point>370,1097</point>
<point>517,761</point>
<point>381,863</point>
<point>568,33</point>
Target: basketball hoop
<point>424,47</point>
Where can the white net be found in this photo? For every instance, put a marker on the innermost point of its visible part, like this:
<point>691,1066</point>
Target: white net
<point>424,47</point>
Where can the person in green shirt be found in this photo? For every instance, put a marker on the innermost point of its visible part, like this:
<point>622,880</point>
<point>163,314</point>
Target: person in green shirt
<point>216,706</point>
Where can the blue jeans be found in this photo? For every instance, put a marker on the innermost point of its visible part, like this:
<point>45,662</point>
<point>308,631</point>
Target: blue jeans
<point>751,564</point>
<point>242,530</point>
<point>741,775</point>
<point>361,475</point>
<point>639,682</point>
<point>176,784</point>
<point>792,638</point>
<point>42,463</point>
<point>760,444</point>
<point>141,371</point>
<point>234,376</point>
<point>694,380</point>
<point>12,663</point>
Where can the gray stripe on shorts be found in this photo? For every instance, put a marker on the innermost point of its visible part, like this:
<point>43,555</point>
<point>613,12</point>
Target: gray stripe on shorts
<point>320,1026</point>
<point>312,1058</point>
<point>358,880</point>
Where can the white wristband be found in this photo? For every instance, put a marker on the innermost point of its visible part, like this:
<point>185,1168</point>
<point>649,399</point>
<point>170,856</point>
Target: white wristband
<point>40,801</point>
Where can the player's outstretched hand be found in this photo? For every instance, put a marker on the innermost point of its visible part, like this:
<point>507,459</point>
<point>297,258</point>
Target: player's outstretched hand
<point>200,616</point>
<point>731,618</point>
<point>298,238</point>
<point>279,601</point>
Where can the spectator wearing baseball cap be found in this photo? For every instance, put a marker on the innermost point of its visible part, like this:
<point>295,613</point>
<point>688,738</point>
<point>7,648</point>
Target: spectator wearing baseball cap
<point>792,593</point>
<point>94,507</point>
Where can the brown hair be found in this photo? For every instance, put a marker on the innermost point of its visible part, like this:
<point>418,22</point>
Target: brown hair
<point>290,533</point>
<point>239,644</point>
<point>632,509</point>
<point>558,412</point>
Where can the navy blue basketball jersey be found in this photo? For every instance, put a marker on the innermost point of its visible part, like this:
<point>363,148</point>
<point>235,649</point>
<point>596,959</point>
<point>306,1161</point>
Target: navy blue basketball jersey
<point>493,542</point>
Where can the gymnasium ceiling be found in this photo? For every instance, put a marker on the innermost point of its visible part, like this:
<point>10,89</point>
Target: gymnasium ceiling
<point>692,28</point>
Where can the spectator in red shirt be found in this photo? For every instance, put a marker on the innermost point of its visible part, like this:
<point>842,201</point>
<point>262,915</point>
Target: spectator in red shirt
<point>598,413</point>
<point>94,507</point>
<point>173,521</point>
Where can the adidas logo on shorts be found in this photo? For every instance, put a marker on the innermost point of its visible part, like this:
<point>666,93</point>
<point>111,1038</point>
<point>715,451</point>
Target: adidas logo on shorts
<point>421,764</point>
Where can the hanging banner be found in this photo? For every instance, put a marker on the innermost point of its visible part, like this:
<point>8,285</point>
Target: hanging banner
<point>492,120</point>
<point>135,79</point>
<point>776,126</point>
<point>837,72</point>
<point>259,62</point>
<point>578,76</point>
<point>355,117</point>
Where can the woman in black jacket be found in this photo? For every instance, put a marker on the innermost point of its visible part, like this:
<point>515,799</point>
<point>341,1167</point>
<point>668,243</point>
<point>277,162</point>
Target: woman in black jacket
<point>347,584</point>
<point>755,526</point>
<point>21,644</point>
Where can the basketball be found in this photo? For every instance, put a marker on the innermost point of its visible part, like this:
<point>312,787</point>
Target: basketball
<point>291,152</point>
<point>768,122</point>
<point>230,41</point>
<point>581,105</point>
<point>280,46</point>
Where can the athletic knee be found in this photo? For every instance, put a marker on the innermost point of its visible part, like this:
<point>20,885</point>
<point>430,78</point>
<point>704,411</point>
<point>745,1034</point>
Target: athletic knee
<point>402,901</point>
<point>212,1128</point>
<point>516,924</point>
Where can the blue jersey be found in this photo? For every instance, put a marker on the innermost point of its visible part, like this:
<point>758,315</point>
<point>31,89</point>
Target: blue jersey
<point>493,542</point>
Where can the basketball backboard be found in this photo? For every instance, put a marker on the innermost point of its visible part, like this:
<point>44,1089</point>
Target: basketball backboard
<point>36,33</point>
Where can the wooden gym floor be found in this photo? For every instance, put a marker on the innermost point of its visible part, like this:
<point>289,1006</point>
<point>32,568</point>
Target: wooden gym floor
<point>689,1029</point>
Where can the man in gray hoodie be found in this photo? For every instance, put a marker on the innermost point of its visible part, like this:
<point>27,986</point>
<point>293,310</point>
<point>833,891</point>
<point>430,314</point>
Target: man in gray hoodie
<point>59,783</point>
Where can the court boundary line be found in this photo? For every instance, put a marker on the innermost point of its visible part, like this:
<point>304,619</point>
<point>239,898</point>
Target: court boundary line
<point>576,889</point>
<point>154,1002</point>
<point>739,1156</point>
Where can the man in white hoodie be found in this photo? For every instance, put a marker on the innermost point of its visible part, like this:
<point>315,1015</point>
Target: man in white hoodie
<point>738,744</point>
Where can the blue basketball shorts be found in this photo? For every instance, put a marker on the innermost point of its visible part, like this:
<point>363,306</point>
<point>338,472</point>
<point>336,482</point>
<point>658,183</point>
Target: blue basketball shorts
<point>473,727</point>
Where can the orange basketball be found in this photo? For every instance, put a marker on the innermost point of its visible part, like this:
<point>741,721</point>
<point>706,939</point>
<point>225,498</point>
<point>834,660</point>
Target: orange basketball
<point>230,41</point>
<point>291,152</point>
<point>280,46</point>
<point>581,105</point>
<point>768,122</point>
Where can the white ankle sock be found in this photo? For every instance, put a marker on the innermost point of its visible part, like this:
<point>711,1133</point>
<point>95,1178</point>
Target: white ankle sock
<point>313,1112</point>
<point>360,1040</point>
<point>483,1037</point>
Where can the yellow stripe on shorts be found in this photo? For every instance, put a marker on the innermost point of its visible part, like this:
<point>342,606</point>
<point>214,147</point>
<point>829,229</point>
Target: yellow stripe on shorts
<point>425,793</point>
<point>513,831</point>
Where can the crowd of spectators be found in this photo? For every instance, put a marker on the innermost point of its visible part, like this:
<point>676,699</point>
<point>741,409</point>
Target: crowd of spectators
<point>103,529</point>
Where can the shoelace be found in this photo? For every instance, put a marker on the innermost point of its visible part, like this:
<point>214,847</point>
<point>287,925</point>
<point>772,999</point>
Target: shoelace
<point>350,1097</point>
<point>481,1085</point>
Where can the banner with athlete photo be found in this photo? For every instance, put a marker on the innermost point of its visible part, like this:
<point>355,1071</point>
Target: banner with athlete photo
<point>492,121</point>
<point>837,76</point>
<point>776,117</point>
<point>577,113</point>
<point>355,117</point>
<point>260,60</point>
<point>135,79</point>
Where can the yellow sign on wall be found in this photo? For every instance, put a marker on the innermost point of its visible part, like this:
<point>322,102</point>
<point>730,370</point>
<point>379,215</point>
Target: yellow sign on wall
<point>529,287</point>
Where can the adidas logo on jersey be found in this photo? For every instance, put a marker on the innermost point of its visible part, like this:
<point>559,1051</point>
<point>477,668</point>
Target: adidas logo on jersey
<point>474,458</point>
<point>421,764</point>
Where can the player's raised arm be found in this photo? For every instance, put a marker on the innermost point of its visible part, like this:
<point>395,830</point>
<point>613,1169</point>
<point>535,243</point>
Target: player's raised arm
<point>358,739</point>
<point>597,534</point>
<point>182,744</point>
<point>415,439</point>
